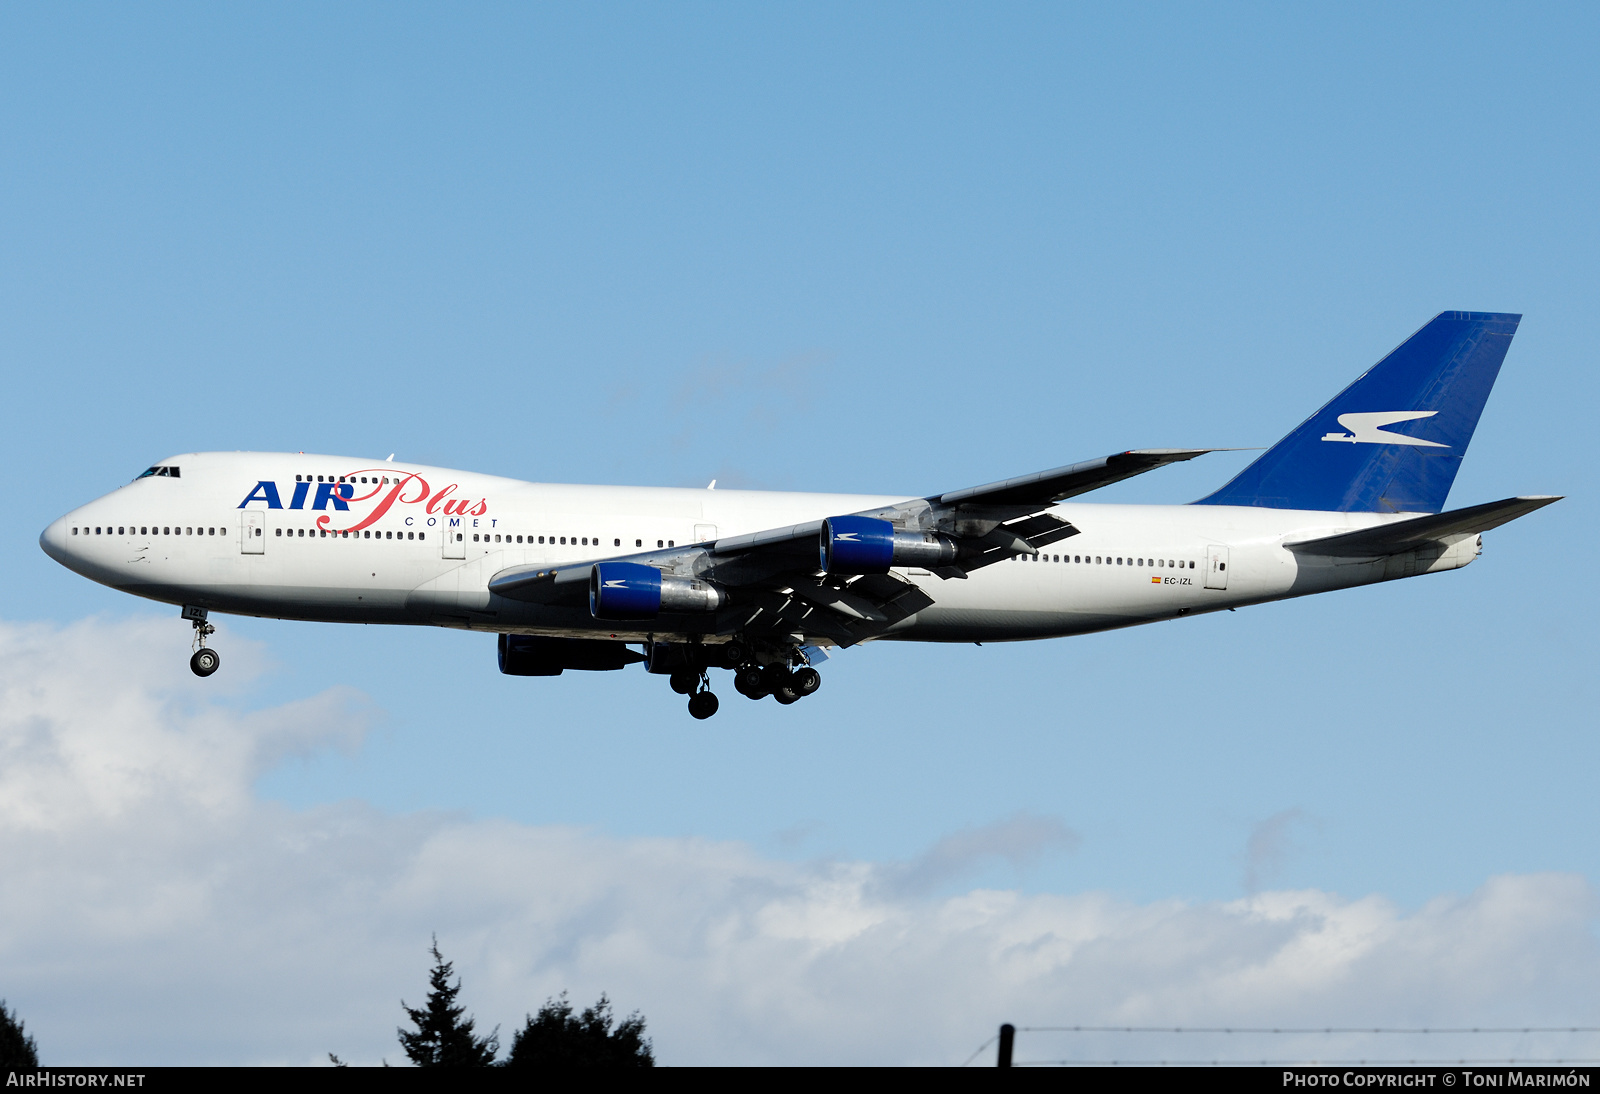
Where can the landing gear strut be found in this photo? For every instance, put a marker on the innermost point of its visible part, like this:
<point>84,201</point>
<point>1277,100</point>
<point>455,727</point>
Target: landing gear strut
<point>205,660</point>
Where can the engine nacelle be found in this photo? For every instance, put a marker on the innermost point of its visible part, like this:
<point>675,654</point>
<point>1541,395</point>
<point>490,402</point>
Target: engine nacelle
<point>628,590</point>
<point>866,545</point>
<point>535,655</point>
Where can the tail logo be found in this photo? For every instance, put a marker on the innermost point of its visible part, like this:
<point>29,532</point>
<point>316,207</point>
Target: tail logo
<point>1368,428</point>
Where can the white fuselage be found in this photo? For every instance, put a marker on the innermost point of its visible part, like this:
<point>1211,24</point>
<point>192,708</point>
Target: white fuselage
<point>213,537</point>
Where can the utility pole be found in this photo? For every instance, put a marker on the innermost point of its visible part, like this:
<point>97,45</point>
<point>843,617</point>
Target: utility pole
<point>1008,1034</point>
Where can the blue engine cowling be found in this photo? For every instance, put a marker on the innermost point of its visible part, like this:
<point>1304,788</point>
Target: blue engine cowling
<point>857,545</point>
<point>628,590</point>
<point>866,545</point>
<point>624,590</point>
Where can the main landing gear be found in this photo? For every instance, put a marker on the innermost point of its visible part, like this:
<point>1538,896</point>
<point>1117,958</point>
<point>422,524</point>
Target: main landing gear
<point>697,686</point>
<point>205,660</point>
<point>760,681</point>
<point>757,673</point>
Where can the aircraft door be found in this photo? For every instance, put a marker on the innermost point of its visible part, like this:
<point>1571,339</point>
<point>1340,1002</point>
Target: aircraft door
<point>1216,567</point>
<point>705,533</point>
<point>452,542</point>
<point>253,540</point>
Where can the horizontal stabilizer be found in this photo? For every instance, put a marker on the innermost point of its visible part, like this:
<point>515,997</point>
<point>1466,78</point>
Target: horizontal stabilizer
<point>1403,535</point>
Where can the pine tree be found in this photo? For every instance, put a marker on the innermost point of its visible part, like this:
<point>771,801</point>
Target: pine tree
<point>17,1050</point>
<point>443,1038</point>
<point>556,1038</point>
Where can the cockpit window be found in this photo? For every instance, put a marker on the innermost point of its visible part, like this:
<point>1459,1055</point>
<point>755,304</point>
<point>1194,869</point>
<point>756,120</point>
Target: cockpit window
<point>147,474</point>
<point>163,472</point>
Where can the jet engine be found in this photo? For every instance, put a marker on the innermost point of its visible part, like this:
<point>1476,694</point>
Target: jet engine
<point>536,655</point>
<point>628,590</point>
<point>865,545</point>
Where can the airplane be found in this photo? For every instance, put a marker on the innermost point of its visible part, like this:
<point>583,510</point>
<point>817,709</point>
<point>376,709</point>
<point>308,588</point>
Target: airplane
<point>765,583</point>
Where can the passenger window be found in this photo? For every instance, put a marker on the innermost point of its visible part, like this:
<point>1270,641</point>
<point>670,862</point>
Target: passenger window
<point>120,531</point>
<point>586,541</point>
<point>616,543</point>
<point>671,543</point>
<point>638,543</point>
<point>541,539</point>
<point>563,541</point>
<point>422,535</point>
<point>280,531</point>
<point>660,544</point>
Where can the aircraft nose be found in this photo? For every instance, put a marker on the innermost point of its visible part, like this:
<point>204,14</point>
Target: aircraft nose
<point>53,540</point>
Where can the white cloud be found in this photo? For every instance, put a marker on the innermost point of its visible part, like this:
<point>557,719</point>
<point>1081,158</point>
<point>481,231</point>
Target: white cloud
<point>154,910</point>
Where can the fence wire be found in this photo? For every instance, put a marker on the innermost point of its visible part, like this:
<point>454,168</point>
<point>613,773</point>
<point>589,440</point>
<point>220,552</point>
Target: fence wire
<point>1413,1031</point>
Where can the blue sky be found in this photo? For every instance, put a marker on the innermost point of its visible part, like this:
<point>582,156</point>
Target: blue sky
<point>880,249</point>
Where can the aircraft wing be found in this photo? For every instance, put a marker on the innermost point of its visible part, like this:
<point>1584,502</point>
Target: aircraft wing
<point>1044,487</point>
<point>1403,535</point>
<point>776,576</point>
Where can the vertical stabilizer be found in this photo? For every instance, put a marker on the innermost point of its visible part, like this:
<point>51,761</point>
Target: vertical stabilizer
<point>1391,442</point>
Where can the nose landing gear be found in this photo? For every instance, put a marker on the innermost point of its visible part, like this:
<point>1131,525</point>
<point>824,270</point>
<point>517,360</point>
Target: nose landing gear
<point>205,660</point>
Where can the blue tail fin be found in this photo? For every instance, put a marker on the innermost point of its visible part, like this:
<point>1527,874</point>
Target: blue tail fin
<point>1392,441</point>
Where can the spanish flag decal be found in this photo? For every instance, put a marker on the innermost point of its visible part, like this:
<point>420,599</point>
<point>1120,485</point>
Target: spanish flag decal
<point>1155,581</point>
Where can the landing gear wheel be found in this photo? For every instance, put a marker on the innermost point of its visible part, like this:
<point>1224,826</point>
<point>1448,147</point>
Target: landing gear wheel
<point>805,681</point>
<point>750,682</point>
<point>702,705</point>
<point>786,695</point>
<point>684,683</point>
<point>204,662</point>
